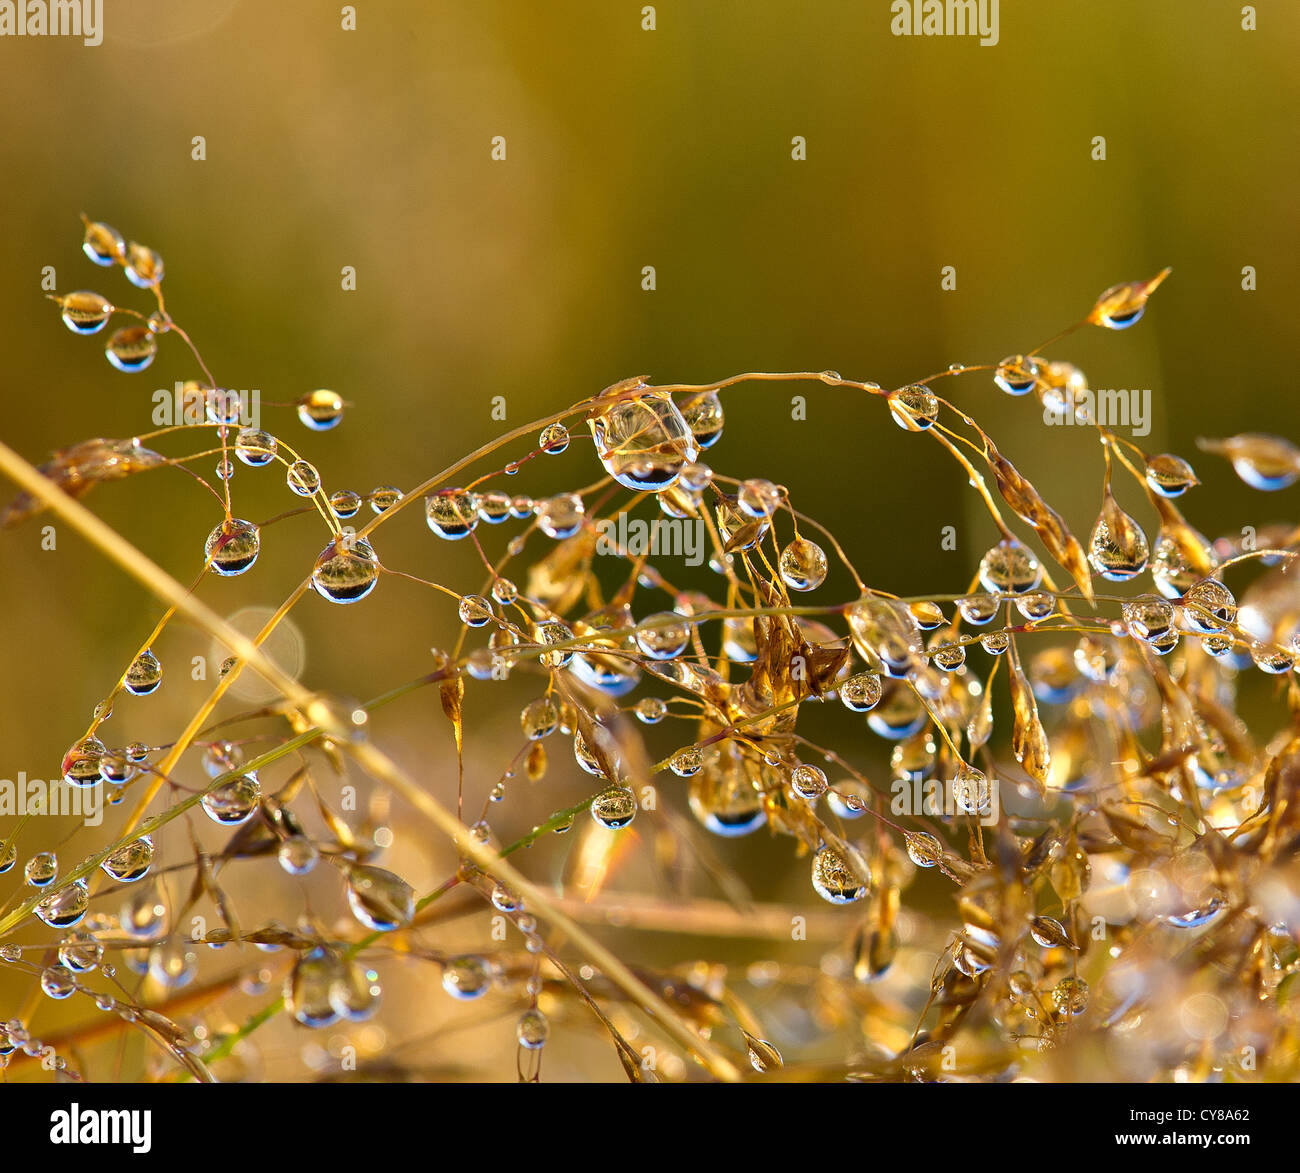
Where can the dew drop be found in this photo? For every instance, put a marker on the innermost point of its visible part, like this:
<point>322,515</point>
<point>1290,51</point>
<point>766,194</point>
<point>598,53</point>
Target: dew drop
<point>923,849</point>
<point>57,982</point>
<point>345,573</point>
<point>384,498</point>
<point>643,441</point>
<point>233,547</point>
<point>145,674</point>
<point>803,565</point>
<point>302,478</point>
<point>379,899</point>
<point>835,880</point>
<point>1010,568</point>
<point>83,763</point>
<point>532,1030</point>
<point>466,977</point>
<point>131,349</point>
<point>320,410</point>
<point>85,312</point>
<point>41,870</point>
<point>705,418</point>
<point>131,861</point>
<point>144,267</point>
<point>66,907</point>
<point>914,408</point>
<point>554,439</point>
<point>255,447</point>
<point>808,782</point>
<point>861,692</point>
<point>103,244</point>
<point>234,802</point>
<point>560,516</point>
<point>452,514</point>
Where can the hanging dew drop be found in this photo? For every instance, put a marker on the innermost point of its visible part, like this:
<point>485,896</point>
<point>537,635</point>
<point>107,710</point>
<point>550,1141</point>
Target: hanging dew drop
<point>66,907</point>
<point>643,441</point>
<point>41,870</point>
<point>103,244</point>
<point>532,1030</point>
<point>346,573</point>
<point>131,349</point>
<point>131,861</point>
<point>704,416</point>
<point>232,547</point>
<point>923,849</point>
<point>320,410</point>
<point>663,636</point>
<point>561,516</point>
<point>803,565</point>
<point>835,880</point>
<point>57,982</point>
<point>302,478</point>
<point>914,408</point>
<point>1169,476</point>
<point>144,676</point>
<point>297,855</point>
<point>384,498</point>
<point>614,808</point>
<point>83,763</point>
<point>85,312</point>
<point>554,439</point>
<point>381,900</point>
<point>255,447</point>
<point>144,267</point>
<point>344,503</point>
<point>234,802</point>
<point>80,952</point>
<point>466,978</point>
<point>808,782</point>
<point>452,515</point>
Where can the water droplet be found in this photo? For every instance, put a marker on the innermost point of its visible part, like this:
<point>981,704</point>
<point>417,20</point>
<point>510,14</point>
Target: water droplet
<point>173,964</point>
<point>346,572</point>
<point>560,516</point>
<point>234,802</point>
<point>1148,617</point>
<point>320,410</point>
<point>302,478</point>
<point>687,762</point>
<point>356,994</point>
<point>651,710</point>
<point>614,808</point>
<point>144,267</point>
<point>384,498</point>
<point>1122,305</point>
<point>758,499</point>
<point>803,565</point>
<point>1209,607</point>
<point>548,634</point>
<point>379,899</point>
<point>475,611</point>
<point>923,849</point>
<point>763,1057</point>
<point>83,763</point>
<point>41,869</point>
<point>898,716</point>
<point>928,615</point>
<point>1010,568</point>
<point>532,1030</point>
<point>970,789</point>
<point>704,416</point>
<point>57,982</point>
<point>1169,476</point>
<point>103,244</point>
<point>1017,375</point>
<point>1273,660</point>
<point>1049,933</point>
<point>914,408</point>
<point>1118,548</point>
<point>452,514</point>
<point>255,447</point>
<point>8,857</point>
<point>466,977</point>
<point>1036,605</point>
<point>554,439</point>
<point>66,907</point>
<point>949,656</point>
<point>808,782</point>
<point>1180,557</point>
<point>308,988</point>
<point>504,591</point>
<point>233,547</point>
<point>995,642</point>
<point>131,349</point>
<point>297,855</point>
<point>145,674</point>
<point>861,692</point>
<point>978,610</point>
<point>665,637</point>
<point>836,880</point>
<point>494,506</point>
<point>643,441</point>
<point>85,312</point>
<point>131,861</point>
<point>1070,997</point>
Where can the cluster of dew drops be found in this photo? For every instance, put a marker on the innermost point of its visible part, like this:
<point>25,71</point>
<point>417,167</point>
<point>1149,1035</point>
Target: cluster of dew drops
<point>745,770</point>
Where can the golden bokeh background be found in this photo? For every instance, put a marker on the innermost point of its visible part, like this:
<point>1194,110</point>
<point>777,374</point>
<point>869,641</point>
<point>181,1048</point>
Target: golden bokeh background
<point>522,278</point>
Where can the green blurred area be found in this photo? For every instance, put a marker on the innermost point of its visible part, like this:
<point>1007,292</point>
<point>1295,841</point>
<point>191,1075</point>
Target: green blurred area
<point>523,278</point>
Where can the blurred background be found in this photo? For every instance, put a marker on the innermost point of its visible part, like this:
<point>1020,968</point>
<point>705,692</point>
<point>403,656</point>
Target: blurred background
<point>523,278</point>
